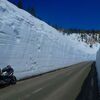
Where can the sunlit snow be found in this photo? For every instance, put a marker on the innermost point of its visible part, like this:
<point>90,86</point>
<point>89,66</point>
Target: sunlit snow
<point>32,47</point>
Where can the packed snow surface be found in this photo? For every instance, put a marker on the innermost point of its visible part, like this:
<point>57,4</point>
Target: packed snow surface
<point>98,65</point>
<point>32,47</point>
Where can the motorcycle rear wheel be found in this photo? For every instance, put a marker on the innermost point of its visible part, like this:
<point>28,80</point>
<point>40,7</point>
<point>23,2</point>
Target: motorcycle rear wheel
<point>13,80</point>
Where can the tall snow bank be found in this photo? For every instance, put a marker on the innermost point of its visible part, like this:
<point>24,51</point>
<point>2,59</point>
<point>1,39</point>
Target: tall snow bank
<point>33,47</point>
<point>98,65</point>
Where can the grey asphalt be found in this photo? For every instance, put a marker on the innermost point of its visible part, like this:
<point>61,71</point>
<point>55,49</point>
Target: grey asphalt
<point>63,84</point>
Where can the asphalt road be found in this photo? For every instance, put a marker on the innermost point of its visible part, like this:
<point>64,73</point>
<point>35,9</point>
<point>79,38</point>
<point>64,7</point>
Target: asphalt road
<point>63,84</point>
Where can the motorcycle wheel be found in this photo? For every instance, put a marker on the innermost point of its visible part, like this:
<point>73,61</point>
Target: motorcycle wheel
<point>13,80</point>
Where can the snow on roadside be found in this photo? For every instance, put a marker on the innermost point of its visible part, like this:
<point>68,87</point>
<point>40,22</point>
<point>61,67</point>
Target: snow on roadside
<point>98,66</point>
<point>32,47</point>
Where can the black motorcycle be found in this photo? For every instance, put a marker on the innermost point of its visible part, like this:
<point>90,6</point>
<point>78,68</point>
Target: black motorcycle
<point>6,80</point>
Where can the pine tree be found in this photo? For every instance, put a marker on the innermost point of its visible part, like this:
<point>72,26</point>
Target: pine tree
<point>31,10</point>
<point>20,4</point>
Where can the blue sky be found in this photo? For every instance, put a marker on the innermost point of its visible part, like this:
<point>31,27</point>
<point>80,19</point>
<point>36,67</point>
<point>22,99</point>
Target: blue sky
<point>83,14</point>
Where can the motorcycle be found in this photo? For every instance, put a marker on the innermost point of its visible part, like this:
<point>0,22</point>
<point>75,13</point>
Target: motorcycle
<point>6,79</point>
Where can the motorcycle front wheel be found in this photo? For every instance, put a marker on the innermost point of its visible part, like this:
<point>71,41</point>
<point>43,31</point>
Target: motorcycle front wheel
<point>13,80</point>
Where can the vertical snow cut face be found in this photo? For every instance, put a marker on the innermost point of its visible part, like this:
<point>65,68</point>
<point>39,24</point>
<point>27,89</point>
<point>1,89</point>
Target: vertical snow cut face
<point>98,66</point>
<point>33,47</point>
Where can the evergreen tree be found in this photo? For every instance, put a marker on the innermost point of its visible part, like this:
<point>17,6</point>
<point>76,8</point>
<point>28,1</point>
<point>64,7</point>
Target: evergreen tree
<point>31,10</point>
<point>20,4</point>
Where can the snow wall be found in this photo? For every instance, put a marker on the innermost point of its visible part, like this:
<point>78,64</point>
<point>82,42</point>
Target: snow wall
<point>98,66</point>
<point>31,46</point>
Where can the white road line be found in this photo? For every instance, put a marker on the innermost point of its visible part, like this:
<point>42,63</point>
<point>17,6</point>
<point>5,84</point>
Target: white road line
<point>28,95</point>
<point>37,90</point>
